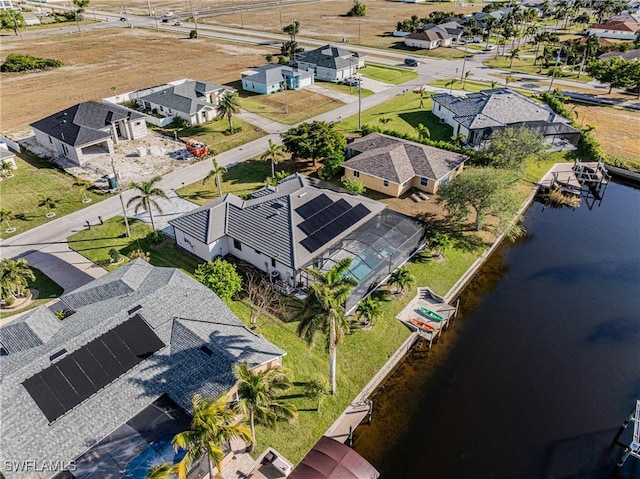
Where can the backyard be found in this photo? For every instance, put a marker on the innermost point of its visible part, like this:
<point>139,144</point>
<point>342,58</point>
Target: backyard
<point>33,177</point>
<point>47,291</point>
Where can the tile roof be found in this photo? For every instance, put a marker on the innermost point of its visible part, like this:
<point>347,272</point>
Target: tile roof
<point>329,56</point>
<point>400,160</point>
<point>273,73</point>
<point>617,26</point>
<point>432,34</point>
<point>84,123</point>
<point>497,107</point>
<point>184,314</point>
<point>268,220</point>
<point>188,97</point>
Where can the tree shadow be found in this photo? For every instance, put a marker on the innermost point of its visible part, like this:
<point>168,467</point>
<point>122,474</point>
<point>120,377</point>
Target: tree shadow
<point>200,195</point>
<point>439,131</point>
<point>460,232</point>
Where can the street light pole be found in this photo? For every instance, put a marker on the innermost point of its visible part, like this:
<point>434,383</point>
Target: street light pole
<point>124,210</point>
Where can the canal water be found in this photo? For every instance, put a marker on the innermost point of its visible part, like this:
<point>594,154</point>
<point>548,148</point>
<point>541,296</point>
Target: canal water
<point>536,376</point>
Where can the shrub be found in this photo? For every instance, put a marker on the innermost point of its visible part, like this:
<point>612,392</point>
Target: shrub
<point>193,34</point>
<point>28,63</point>
<point>331,166</point>
<point>358,9</point>
<point>220,276</point>
<point>354,186</point>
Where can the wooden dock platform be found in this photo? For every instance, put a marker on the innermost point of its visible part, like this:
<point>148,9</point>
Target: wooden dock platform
<point>425,298</point>
<point>573,178</point>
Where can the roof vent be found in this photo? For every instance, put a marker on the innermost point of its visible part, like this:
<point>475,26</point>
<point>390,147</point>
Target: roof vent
<point>304,193</point>
<point>56,355</point>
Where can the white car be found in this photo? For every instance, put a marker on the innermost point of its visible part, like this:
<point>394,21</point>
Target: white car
<point>352,81</point>
<point>168,14</point>
<point>490,48</point>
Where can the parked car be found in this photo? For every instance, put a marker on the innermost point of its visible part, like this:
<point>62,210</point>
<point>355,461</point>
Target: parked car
<point>490,48</point>
<point>165,20</point>
<point>168,14</point>
<point>123,19</point>
<point>177,23</point>
<point>352,81</point>
<point>411,62</point>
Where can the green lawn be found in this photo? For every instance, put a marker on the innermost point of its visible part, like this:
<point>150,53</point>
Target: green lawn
<point>404,114</point>
<point>349,90</point>
<point>47,290</point>
<point>525,65</point>
<point>475,86</point>
<point>388,74</point>
<point>33,177</point>
<point>95,244</point>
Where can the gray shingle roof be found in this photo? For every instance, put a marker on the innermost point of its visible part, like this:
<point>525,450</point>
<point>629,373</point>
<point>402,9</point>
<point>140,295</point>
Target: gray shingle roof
<point>188,97</point>
<point>629,55</point>
<point>32,329</point>
<point>399,160</point>
<point>497,107</point>
<point>329,56</point>
<point>84,123</point>
<point>273,73</point>
<point>271,230</point>
<point>184,314</point>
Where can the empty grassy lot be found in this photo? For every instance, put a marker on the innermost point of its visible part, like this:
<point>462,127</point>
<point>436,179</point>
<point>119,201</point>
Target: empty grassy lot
<point>525,65</point>
<point>388,74</point>
<point>34,177</point>
<point>128,59</point>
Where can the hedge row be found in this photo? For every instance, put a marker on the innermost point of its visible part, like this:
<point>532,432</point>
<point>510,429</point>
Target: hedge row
<point>28,63</point>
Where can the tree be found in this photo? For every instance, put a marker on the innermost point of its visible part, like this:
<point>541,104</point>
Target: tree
<point>146,200</point>
<point>140,254</point>
<point>358,9</point>
<point>423,132</point>
<point>508,79</point>
<point>423,96</point>
<point>514,54</point>
<point>466,76</point>
<point>369,310</point>
<point>14,278</point>
<point>331,164</point>
<point>354,186</point>
<point>323,310</point>
<point>440,242</point>
<point>12,20</point>
<point>49,203</point>
<point>83,184</point>
<point>510,148</point>
<point>450,84</point>
<point>313,140</point>
<point>213,425</point>
<point>316,388</point>
<point>488,191</point>
<point>261,298</point>
<point>81,4</point>
<point>402,278</point>
<point>616,72</point>
<point>6,216</point>
<point>292,29</point>
<point>216,173</point>
<point>220,276</point>
<point>290,48</point>
<point>228,107</point>
<point>269,57</point>
<point>258,393</point>
<point>275,153</point>
<point>162,471</point>
<point>6,169</point>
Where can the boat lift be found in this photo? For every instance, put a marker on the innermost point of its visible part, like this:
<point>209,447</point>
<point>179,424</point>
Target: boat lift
<point>632,449</point>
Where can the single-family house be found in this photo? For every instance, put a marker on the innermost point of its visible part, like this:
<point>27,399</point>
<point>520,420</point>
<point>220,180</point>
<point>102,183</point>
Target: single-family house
<point>393,165</point>
<point>329,63</point>
<point>429,39</point>
<point>615,29</point>
<point>102,393</point>
<point>272,78</point>
<point>478,115</point>
<point>191,100</point>
<point>629,55</point>
<point>301,223</point>
<point>88,128</point>
<point>453,28</point>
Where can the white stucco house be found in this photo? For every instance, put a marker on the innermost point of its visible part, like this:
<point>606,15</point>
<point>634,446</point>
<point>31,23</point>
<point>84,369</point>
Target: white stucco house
<point>615,29</point>
<point>329,63</point>
<point>271,78</point>
<point>88,128</point>
<point>429,39</point>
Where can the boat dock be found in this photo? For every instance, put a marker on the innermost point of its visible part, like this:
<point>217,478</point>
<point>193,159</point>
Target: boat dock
<point>579,179</point>
<point>413,318</point>
<point>632,449</point>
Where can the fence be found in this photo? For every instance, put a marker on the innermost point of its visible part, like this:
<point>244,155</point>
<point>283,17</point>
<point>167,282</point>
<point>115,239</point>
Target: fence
<point>10,143</point>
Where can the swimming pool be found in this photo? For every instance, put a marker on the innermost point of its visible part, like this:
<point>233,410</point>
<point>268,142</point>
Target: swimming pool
<point>156,453</point>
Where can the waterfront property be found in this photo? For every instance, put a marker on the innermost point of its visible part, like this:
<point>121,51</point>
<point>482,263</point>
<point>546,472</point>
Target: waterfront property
<point>428,314</point>
<point>393,165</point>
<point>272,78</point>
<point>120,369</point>
<point>87,129</point>
<point>477,116</point>
<point>302,223</point>
<point>329,63</point>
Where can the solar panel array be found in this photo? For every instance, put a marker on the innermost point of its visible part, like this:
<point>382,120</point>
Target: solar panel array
<point>65,384</point>
<point>325,219</point>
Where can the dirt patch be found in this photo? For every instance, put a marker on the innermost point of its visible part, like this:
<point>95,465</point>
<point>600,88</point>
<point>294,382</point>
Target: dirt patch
<point>128,59</point>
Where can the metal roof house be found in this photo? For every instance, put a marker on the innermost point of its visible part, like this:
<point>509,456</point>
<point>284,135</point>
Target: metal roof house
<point>192,100</point>
<point>329,63</point>
<point>88,128</point>
<point>393,165</point>
<point>102,393</point>
<point>271,78</point>
<point>478,115</point>
<point>301,223</point>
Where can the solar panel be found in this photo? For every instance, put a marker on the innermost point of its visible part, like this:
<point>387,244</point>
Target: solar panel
<point>336,227</point>
<point>313,206</point>
<point>67,383</point>
<point>323,217</point>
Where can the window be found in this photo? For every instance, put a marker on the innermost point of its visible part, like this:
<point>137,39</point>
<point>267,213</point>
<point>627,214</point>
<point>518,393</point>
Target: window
<point>237,245</point>
<point>385,184</point>
<point>356,174</point>
<point>423,181</point>
<point>273,262</point>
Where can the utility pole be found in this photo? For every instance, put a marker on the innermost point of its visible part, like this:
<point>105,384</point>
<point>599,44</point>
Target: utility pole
<point>553,76</point>
<point>359,104</point>
<point>149,6</point>
<point>281,27</point>
<point>464,60</point>
<point>124,210</point>
<point>359,28</point>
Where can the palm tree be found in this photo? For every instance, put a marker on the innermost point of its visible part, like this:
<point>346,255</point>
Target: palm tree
<point>146,200</point>
<point>228,107</point>
<point>6,215</point>
<point>323,310</point>
<point>83,185</point>
<point>162,471</point>
<point>216,173</point>
<point>515,53</point>
<point>369,309</point>
<point>466,76</point>
<point>423,96</point>
<point>423,132</point>
<point>450,84</point>
<point>402,278</point>
<point>258,393</point>
<point>212,426</point>
<point>48,203</point>
<point>6,169</point>
<point>384,120</point>
<point>275,153</point>
<point>14,278</point>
